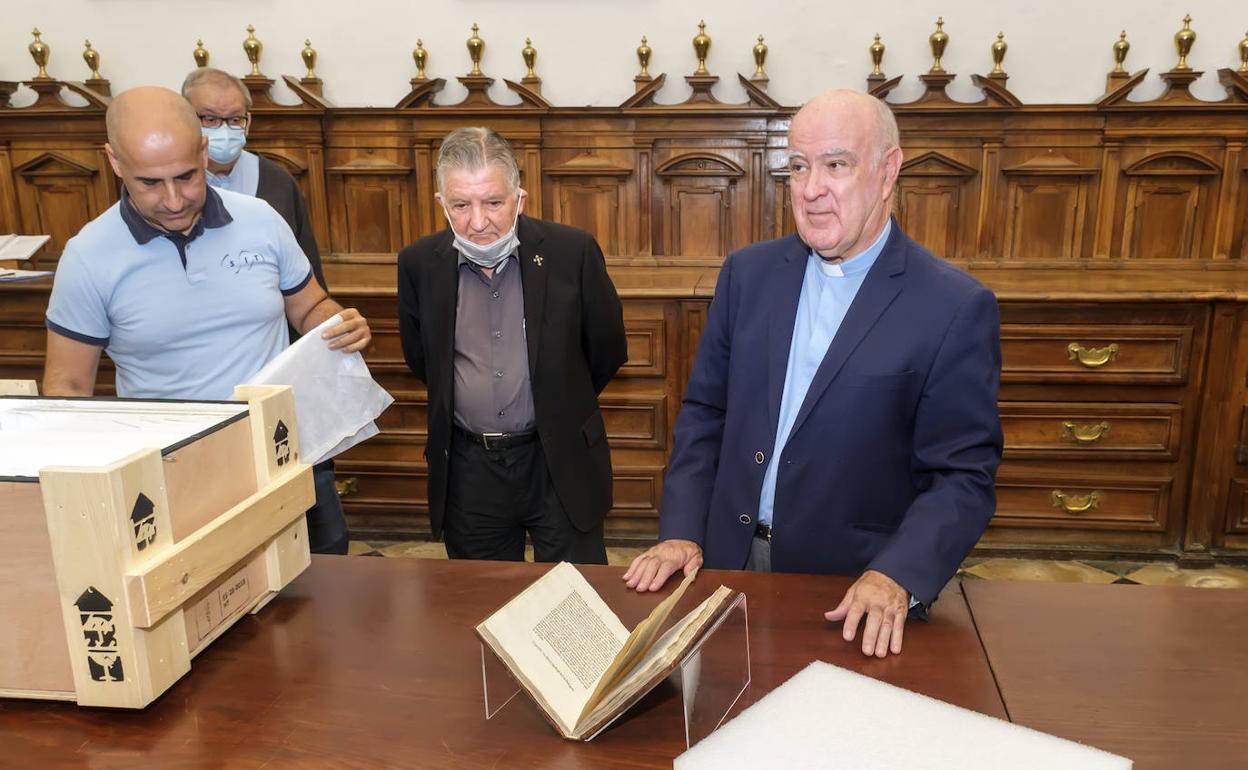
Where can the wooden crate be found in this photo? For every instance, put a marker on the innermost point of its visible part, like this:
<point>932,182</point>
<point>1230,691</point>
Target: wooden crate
<point>117,576</point>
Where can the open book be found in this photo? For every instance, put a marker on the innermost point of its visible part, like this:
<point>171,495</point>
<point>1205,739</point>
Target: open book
<point>574,657</point>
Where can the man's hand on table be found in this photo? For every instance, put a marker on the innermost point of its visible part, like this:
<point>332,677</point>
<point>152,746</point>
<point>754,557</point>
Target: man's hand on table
<point>884,604</point>
<point>651,570</point>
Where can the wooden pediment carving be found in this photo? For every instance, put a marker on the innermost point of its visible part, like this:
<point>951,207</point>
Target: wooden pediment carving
<point>700,164</point>
<point>293,166</point>
<point>589,164</point>
<point>1173,163</point>
<point>368,165</point>
<point>1049,164</point>
<point>934,164</point>
<point>54,164</point>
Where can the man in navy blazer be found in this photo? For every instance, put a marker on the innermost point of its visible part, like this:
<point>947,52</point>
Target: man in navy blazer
<point>841,415</point>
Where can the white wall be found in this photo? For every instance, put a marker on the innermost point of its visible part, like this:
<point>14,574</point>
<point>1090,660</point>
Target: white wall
<point>1059,49</point>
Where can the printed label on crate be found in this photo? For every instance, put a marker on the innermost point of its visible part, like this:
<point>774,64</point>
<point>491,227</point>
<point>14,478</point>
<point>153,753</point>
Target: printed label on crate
<point>222,603</point>
<point>95,613</point>
<point>281,443</point>
<point>143,522</point>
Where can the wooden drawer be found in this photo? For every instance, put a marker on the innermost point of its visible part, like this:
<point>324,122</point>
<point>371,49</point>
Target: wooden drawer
<point>1090,352</point>
<point>1069,501</point>
<point>1091,431</point>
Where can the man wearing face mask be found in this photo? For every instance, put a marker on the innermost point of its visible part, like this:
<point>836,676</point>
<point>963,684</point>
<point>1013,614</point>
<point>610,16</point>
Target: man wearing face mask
<point>515,327</point>
<point>223,106</point>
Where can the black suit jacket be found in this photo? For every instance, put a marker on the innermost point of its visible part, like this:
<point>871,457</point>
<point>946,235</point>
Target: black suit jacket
<point>575,334</point>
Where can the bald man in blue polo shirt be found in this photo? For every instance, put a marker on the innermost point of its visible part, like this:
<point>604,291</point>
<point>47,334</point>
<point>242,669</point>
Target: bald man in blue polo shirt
<point>187,288</point>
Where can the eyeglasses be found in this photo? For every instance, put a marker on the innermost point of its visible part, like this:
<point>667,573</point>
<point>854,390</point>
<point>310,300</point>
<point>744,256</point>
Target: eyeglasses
<point>214,121</point>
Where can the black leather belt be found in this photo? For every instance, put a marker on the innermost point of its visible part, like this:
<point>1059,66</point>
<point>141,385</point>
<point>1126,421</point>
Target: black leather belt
<point>763,531</point>
<point>498,440</point>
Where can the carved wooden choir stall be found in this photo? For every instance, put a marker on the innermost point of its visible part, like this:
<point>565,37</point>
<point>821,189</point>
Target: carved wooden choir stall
<point>1113,234</point>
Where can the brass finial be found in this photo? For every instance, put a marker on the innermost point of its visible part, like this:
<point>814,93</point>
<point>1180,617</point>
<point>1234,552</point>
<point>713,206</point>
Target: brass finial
<point>39,51</point>
<point>938,40</point>
<point>421,57</point>
<point>308,54</point>
<point>643,58</point>
<point>92,58</point>
<point>200,53</point>
<point>1183,40</point>
<point>760,57</point>
<point>1121,46</point>
<point>701,47</point>
<point>253,48</point>
<point>998,54</point>
<point>529,54</point>
<point>877,57</point>
<point>476,47</point>
<point>1243,54</point>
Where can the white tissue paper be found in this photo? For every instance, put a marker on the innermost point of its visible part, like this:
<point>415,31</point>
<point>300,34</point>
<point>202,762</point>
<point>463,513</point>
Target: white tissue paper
<point>336,398</point>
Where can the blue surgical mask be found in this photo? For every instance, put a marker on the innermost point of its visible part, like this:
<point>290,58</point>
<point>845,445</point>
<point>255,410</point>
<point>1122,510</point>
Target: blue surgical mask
<point>225,144</point>
<point>491,255</point>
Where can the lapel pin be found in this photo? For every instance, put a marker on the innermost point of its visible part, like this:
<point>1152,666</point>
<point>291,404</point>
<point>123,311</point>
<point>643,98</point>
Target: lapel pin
<point>537,259</point>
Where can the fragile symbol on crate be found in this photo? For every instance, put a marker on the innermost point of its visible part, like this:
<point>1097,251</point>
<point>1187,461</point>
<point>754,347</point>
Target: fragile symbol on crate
<point>95,612</point>
<point>143,522</point>
<point>281,443</point>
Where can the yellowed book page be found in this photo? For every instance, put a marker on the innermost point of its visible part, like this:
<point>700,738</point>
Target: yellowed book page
<point>662,656</point>
<point>635,647</point>
<point>559,637</point>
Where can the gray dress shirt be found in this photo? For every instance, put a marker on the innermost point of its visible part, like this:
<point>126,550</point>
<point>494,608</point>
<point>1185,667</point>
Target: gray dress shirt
<point>492,389</point>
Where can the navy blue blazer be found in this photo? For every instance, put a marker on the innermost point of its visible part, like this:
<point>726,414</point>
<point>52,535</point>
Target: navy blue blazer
<point>891,461</point>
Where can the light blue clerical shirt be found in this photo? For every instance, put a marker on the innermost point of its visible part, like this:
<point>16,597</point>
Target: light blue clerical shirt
<point>243,178</point>
<point>827,291</point>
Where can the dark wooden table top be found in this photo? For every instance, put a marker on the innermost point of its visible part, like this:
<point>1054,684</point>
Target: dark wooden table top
<point>1159,675</point>
<point>368,662</point>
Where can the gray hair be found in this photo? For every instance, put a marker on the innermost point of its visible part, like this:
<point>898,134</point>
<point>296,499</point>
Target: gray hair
<point>209,76</point>
<point>887,135</point>
<point>474,148</point>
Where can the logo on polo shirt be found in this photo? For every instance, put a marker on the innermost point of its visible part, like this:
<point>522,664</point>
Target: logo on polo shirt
<point>243,260</point>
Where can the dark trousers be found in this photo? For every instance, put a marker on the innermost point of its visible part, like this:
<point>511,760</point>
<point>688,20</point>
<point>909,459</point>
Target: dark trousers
<point>495,496</point>
<point>327,524</point>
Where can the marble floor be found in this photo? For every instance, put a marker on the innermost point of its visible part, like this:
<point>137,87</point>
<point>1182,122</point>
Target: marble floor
<point>984,569</point>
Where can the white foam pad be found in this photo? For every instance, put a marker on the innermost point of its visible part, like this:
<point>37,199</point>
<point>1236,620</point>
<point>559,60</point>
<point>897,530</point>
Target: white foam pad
<point>828,717</point>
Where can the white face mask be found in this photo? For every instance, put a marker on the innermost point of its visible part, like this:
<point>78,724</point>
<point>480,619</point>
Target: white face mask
<point>490,255</point>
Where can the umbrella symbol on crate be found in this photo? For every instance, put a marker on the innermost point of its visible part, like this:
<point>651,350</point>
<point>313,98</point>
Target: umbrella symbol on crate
<point>95,613</point>
<point>143,521</point>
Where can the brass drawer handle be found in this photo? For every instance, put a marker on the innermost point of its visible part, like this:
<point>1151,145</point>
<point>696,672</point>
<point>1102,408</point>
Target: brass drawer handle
<point>1076,503</point>
<point>347,486</point>
<point>1092,357</point>
<point>1085,434</point>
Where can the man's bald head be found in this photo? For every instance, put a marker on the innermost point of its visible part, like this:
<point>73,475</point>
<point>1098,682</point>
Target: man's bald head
<point>844,104</point>
<point>147,117</point>
<point>844,160</point>
<point>157,148</point>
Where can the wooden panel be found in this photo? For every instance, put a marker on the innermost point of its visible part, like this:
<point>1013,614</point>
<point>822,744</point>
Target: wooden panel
<point>1161,219</point>
<point>1070,499</point>
<point>647,348</point>
<point>1091,431</point>
<point>57,194</point>
<point>635,420</point>
<point>374,214</point>
<point>928,212</point>
<point>1102,353</point>
<point>700,221</point>
<point>35,654</point>
<point>593,204</point>
<point>1045,219</point>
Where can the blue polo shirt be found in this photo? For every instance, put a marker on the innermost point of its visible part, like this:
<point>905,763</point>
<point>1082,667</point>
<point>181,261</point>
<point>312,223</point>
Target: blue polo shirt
<point>181,316</point>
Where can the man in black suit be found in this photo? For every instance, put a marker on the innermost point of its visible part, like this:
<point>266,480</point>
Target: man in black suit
<point>515,327</point>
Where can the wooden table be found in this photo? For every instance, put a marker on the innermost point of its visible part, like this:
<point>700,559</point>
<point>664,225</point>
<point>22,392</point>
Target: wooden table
<point>1159,675</point>
<point>366,662</point>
